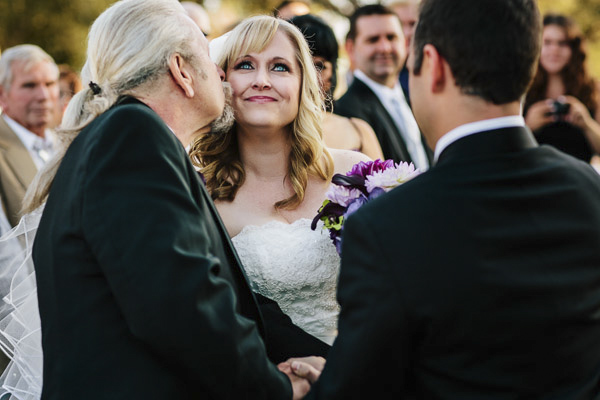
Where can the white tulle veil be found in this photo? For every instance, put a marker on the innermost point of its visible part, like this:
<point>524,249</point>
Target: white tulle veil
<point>20,328</point>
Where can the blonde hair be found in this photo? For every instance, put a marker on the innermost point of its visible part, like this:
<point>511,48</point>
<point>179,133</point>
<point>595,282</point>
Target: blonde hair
<point>218,156</point>
<point>129,45</point>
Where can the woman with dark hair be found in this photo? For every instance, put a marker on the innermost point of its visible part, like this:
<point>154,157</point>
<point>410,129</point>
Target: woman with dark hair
<point>562,107</point>
<point>338,132</point>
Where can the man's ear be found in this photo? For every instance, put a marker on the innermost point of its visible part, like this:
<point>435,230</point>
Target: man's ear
<point>437,67</point>
<point>181,71</point>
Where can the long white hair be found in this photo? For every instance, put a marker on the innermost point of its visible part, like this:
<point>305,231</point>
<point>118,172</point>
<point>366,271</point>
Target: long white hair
<point>129,45</point>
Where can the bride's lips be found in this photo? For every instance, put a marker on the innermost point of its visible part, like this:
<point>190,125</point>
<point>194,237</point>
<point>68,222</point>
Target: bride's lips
<point>261,99</point>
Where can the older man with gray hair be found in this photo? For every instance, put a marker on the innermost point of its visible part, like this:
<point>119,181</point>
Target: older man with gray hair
<point>141,295</point>
<point>28,98</point>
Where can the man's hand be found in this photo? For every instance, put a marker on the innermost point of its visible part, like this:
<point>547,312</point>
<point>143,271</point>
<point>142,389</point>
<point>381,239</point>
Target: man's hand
<point>300,386</point>
<point>303,372</point>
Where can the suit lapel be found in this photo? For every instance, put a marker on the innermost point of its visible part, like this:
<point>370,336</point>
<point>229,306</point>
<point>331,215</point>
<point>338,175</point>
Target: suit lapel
<point>16,155</point>
<point>372,101</point>
<point>248,303</point>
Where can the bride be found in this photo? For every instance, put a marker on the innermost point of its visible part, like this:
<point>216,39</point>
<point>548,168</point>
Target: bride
<point>269,174</point>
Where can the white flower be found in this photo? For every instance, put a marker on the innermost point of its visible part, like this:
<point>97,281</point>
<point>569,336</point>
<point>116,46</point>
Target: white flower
<point>391,177</point>
<point>342,195</point>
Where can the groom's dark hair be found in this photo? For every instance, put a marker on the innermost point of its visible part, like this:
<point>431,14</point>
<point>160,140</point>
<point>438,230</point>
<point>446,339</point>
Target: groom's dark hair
<point>491,46</point>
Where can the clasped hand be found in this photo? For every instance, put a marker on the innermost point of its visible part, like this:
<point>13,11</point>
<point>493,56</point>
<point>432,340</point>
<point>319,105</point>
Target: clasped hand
<point>302,372</point>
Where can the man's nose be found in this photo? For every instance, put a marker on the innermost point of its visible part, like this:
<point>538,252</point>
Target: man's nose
<point>42,92</point>
<point>384,45</point>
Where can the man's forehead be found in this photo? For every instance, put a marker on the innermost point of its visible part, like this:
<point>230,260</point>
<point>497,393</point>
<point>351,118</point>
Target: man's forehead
<point>378,25</point>
<point>24,67</point>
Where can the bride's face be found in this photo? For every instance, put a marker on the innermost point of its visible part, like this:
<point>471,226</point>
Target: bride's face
<point>266,85</point>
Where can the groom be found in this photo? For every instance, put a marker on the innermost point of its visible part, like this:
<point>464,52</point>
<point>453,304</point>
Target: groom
<point>479,279</point>
<point>141,295</point>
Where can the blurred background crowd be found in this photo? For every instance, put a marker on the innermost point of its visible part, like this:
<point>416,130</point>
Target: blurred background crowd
<point>372,113</point>
<point>60,26</point>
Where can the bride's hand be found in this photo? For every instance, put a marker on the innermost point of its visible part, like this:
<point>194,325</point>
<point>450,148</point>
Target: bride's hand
<point>300,384</point>
<point>306,367</point>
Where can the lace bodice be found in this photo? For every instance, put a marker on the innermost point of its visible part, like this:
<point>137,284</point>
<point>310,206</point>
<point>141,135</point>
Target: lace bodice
<point>296,267</point>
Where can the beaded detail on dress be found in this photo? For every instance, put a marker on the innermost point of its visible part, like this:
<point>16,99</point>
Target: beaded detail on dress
<point>296,267</point>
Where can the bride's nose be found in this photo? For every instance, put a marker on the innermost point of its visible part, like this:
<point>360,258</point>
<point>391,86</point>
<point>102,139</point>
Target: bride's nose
<point>261,80</point>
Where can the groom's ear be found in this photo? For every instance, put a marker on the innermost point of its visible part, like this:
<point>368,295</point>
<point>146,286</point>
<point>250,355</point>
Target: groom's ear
<point>438,69</point>
<point>181,71</point>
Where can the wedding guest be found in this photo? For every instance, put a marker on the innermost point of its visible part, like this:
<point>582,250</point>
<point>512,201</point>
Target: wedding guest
<point>500,300</point>
<point>68,84</point>
<point>140,294</point>
<point>199,15</point>
<point>269,173</point>
<point>28,98</point>
<point>562,106</point>
<point>338,132</point>
<point>377,48</point>
<point>288,9</point>
<point>408,13</point>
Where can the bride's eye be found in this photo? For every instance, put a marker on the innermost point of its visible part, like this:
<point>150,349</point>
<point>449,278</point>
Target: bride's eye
<point>243,65</point>
<point>280,67</point>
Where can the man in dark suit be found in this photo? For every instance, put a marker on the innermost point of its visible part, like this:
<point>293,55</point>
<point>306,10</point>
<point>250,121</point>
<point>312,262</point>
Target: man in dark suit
<point>141,295</point>
<point>479,279</point>
<point>377,49</point>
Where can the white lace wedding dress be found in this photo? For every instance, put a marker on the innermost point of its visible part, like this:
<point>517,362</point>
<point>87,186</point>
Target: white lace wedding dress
<point>296,267</point>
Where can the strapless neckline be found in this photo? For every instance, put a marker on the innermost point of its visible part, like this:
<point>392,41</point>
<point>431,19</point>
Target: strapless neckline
<point>274,222</point>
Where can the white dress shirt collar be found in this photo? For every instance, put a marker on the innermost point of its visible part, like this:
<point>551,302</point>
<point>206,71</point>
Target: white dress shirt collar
<point>381,91</point>
<point>395,103</point>
<point>476,127</point>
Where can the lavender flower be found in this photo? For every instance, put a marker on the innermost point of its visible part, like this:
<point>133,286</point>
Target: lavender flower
<point>342,195</point>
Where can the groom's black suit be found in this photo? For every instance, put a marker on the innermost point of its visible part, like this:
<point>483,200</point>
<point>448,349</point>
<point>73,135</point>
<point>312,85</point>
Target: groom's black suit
<point>479,279</point>
<point>138,284</point>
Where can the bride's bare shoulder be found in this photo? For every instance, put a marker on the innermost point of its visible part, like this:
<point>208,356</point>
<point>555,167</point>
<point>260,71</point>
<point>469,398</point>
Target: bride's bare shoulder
<point>343,160</point>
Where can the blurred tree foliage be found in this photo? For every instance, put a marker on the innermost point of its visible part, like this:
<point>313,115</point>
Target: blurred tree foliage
<point>60,26</point>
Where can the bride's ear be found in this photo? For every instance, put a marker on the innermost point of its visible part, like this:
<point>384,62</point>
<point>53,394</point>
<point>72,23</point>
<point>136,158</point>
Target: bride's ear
<point>182,73</point>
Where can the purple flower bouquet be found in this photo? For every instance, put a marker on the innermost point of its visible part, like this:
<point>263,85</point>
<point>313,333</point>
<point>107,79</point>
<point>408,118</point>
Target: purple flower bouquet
<point>365,181</point>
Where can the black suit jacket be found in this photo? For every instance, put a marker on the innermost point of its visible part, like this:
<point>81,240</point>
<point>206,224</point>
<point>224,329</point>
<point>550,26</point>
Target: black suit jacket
<point>360,102</point>
<point>140,292</point>
<point>479,279</point>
